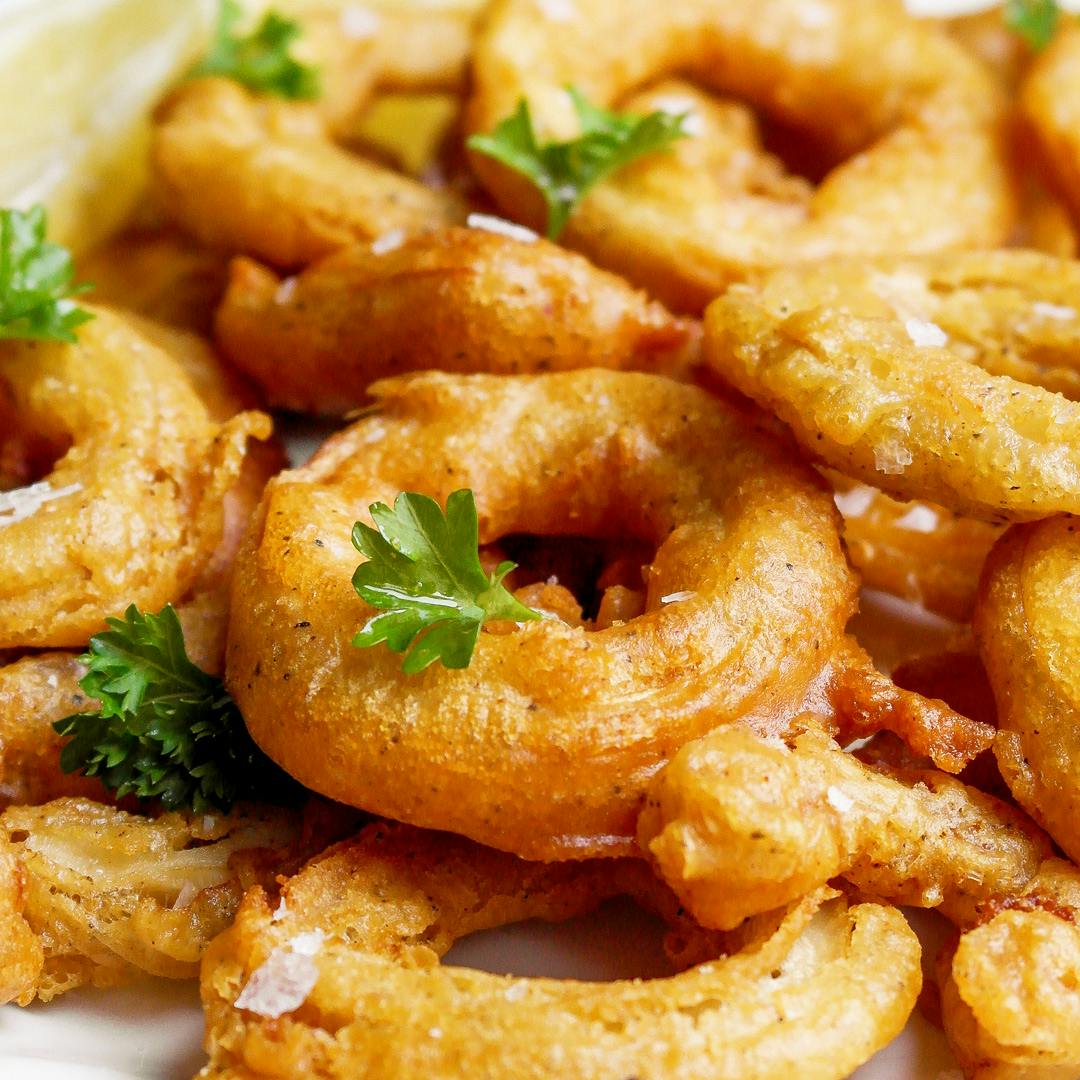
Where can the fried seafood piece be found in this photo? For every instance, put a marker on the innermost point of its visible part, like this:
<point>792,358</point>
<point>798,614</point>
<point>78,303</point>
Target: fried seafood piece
<point>136,469</point>
<point>1029,639</point>
<point>938,379</point>
<point>361,50</point>
<point>1010,988</point>
<point>160,274</point>
<point>1050,104</point>
<point>347,981</point>
<point>455,300</point>
<point>40,688</point>
<point>102,895</point>
<point>915,137</point>
<point>738,825</point>
<point>262,177</point>
<point>747,558</point>
<point>915,550</point>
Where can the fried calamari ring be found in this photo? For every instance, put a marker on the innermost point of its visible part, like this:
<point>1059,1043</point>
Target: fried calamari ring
<point>882,396</point>
<point>360,50</point>
<point>925,168</point>
<point>364,926</point>
<point>262,177</point>
<point>456,300</point>
<point>1029,639</point>
<point>914,550</point>
<point>737,825</point>
<point>159,273</point>
<point>107,895</point>
<point>748,557</point>
<point>132,509</point>
<point>38,689</point>
<point>1050,103</point>
<point>1010,990</point>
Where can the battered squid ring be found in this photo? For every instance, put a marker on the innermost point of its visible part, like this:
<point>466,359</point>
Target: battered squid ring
<point>361,929</point>
<point>1026,630</point>
<point>748,558</point>
<point>40,688</point>
<point>919,127</point>
<point>455,300</point>
<point>887,380</point>
<point>262,177</point>
<point>1048,102</point>
<point>133,507</point>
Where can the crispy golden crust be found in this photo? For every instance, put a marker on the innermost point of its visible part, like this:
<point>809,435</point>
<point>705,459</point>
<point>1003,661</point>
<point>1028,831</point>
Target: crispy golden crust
<point>38,689</point>
<point>1029,639</point>
<point>104,895</point>
<point>379,1005</point>
<point>861,380</point>
<point>922,164</point>
<point>159,273</point>
<point>261,177</point>
<point>146,469</point>
<point>456,300</point>
<point>740,525</point>
<point>1050,103</point>
<point>915,550</point>
<point>737,825</point>
<point>1010,990</point>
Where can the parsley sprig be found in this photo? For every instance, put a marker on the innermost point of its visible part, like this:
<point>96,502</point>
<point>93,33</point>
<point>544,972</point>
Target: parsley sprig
<point>424,573</point>
<point>261,60</point>
<point>564,171</point>
<point>166,729</point>
<point>36,281</point>
<point>1036,21</point>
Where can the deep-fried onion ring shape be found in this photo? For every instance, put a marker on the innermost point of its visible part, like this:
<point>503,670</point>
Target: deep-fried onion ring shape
<point>456,300</point>
<point>262,177</point>
<point>1029,639</point>
<point>134,506</point>
<point>916,130</point>
<point>738,826</point>
<point>375,914</point>
<point>881,396</point>
<point>747,558</point>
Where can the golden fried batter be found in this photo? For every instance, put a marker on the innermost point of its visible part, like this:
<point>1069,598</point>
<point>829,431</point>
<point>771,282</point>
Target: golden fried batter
<point>107,894</point>
<point>881,395</point>
<point>1028,635</point>
<point>346,981</point>
<point>455,300</point>
<point>748,557</point>
<point>261,177</point>
<point>738,825</point>
<point>132,510</point>
<point>922,161</point>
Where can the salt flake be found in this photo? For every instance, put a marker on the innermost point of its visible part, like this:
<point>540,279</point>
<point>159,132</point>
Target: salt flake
<point>23,502</point>
<point>389,241</point>
<point>675,597</point>
<point>920,519</point>
<point>491,223</point>
<point>854,503</point>
<point>838,800</point>
<point>283,981</point>
<point>926,335</point>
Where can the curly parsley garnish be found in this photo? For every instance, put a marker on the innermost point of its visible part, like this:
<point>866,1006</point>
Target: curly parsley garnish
<point>564,171</point>
<point>1036,21</point>
<point>36,281</point>
<point>261,60</point>
<point>424,573</point>
<point>166,729</point>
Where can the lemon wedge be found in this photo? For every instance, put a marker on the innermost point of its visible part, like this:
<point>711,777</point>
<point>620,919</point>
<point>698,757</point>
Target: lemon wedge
<point>77,81</point>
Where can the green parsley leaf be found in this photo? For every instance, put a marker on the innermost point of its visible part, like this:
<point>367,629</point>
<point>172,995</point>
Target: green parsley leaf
<point>35,281</point>
<point>424,573</point>
<point>1036,21</point>
<point>166,729</point>
<point>564,172</point>
<point>260,61</point>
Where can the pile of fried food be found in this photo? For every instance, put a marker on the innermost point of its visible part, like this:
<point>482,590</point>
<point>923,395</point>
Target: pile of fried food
<point>560,611</point>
